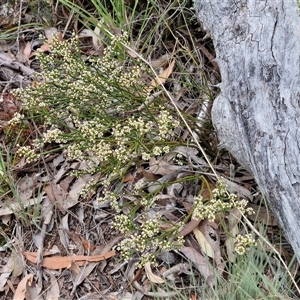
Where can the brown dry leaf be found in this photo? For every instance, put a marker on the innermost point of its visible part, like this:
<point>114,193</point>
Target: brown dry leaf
<point>90,267</point>
<point>201,263</point>
<point>54,291</point>
<point>9,15</point>
<point>210,231</point>
<point>19,264</point>
<point>87,245</point>
<point>128,177</point>
<point>22,55</point>
<point>77,186</point>
<point>22,287</point>
<point>152,277</point>
<point>149,175</point>
<point>33,292</point>
<point>85,33</point>
<point>50,32</point>
<point>242,192</point>
<point>163,167</point>
<point>6,271</point>
<point>161,79</point>
<point>27,49</point>
<point>229,243</point>
<point>27,186</point>
<point>74,268</point>
<point>116,296</point>
<point>233,219</point>
<point>77,240</point>
<point>60,262</point>
<point>262,214</point>
<point>55,195</point>
<point>132,53</point>
<point>206,192</point>
<point>137,276</point>
<point>98,37</point>
<point>10,208</point>
<point>43,48</point>
<point>157,63</point>
<point>203,243</point>
<point>189,227</point>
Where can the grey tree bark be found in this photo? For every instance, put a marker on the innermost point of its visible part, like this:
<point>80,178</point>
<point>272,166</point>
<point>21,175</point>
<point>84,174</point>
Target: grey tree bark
<point>257,114</point>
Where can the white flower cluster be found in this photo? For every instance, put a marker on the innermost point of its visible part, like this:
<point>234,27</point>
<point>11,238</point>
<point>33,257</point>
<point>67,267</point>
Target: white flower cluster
<point>112,199</point>
<point>77,99</point>
<point>17,118</point>
<point>28,152</point>
<point>221,201</point>
<point>146,239</point>
<point>148,202</point>
<point>53,135</point>
<point>85,106</point>
<point>87,188</point>
<point>244,242</point>
<point>123,223</point>
<point>166,124</point>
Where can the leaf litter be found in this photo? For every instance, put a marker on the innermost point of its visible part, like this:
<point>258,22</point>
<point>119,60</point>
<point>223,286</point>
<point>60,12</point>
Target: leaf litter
<point>75,250</point>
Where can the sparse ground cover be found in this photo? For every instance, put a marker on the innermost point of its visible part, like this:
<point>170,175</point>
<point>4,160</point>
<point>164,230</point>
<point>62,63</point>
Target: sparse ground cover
<point>112,183</point>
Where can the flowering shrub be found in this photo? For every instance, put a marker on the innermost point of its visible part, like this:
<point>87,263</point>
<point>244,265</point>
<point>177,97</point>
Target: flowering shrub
<point>83,101</point>
<point>221,201</point>
<point>98,110</point>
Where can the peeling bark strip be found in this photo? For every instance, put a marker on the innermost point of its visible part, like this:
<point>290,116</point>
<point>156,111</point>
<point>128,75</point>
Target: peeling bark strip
<point>257,115</point>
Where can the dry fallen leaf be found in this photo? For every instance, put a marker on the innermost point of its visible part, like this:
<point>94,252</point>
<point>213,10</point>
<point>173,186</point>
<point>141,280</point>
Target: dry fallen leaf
<point>97,36</point>
<point>189,227</point>
<point>60,262</point>
<point>152,277</point>
<point>90,267</point>
<point>203,243</point>
<point>233,219</point>
<point>50,32</point>
<point>161,79</point>
<point>163,167</point>
<point>74,268</point>
<point>201,263</point>
<point>128,177</point>
<point>160,61</point>
<point>22,287</point>
<point>53,292</point>
<point>262,215</point>
<point>27,49</point>
<point>6,271</point>
<point>238,189</point>
<point>210,231</point>
<point>55,194</point>
<point>87,245</point>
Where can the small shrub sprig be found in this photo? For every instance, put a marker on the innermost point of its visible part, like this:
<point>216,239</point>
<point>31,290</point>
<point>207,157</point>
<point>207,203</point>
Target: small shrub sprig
<point>150,237</point>
<point>82,103</point>
<point>221,201</point>
<point>85,105</point>
<point>147,239</point>
<point>243,243</point>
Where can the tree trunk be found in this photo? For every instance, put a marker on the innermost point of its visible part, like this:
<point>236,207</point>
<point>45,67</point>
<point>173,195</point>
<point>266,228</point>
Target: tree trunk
<point>257,114</point>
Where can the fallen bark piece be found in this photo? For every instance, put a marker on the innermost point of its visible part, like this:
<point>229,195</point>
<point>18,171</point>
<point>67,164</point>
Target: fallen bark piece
<point>60,262</point>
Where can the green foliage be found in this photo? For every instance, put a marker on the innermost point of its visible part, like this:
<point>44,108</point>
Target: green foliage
<point>97,110</point>
<point>85,104</point>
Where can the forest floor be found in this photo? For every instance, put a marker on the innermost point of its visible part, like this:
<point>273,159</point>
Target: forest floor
<point>58,237</point>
